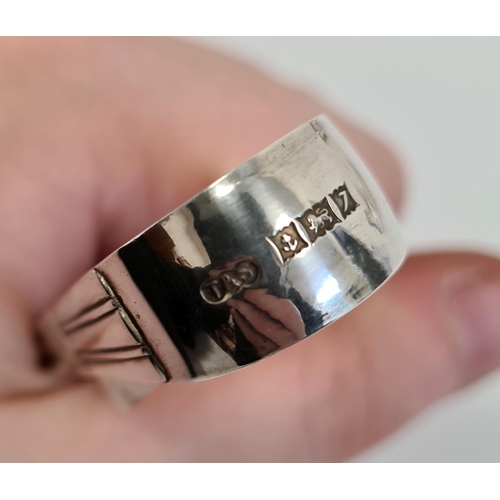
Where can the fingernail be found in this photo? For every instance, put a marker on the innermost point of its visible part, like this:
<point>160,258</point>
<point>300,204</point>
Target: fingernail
<point>475,310</point>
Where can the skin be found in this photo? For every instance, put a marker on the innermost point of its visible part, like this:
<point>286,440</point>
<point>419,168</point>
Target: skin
<point>268,322</point>
<point>99,139</point>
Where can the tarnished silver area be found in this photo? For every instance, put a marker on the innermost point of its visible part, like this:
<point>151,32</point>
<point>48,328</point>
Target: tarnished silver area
<point>277,249</point>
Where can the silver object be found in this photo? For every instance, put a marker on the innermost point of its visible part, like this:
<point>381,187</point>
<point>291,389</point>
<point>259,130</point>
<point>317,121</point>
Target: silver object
<point>287,243</point>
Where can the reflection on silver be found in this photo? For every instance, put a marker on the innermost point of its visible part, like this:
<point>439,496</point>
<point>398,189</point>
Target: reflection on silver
<point>279,248</point>
<point>223,189</point>
<point>328,291</point>
<point>226,283</point>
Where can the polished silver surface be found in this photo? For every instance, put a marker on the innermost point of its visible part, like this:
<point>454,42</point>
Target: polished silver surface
<point>288,242</point>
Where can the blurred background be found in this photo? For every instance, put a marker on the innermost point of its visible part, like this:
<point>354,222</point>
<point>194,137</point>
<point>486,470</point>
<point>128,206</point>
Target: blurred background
<point>437,102</point>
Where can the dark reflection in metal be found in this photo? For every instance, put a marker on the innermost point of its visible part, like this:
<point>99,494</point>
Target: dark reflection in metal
<point>219,299</point>
<point>373,271</point>
<point>169,288</point>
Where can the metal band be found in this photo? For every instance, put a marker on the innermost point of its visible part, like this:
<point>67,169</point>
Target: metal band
<point>271,253</point>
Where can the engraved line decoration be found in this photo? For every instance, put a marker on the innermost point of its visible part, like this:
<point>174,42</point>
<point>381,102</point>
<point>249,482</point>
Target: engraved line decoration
<point>132,326</point>
<point>106,361</point>
<point>89,315</point>
<point>88,309</point>
<point>90,322</point>
<point>124,315</point>
<point>109,350</point>
<point>316,222</point>
<point>226,283</point>
<point>112,354</point>
<point>118,354</point>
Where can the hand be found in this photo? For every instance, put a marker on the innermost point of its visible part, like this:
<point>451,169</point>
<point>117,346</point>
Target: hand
<point>268,322</point>
<point>100,138</point>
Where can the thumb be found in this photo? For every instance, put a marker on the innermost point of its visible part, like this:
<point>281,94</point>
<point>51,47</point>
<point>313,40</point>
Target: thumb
<point>432,329</point>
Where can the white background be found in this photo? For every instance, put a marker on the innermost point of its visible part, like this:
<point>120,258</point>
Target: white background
<point>438,102</point>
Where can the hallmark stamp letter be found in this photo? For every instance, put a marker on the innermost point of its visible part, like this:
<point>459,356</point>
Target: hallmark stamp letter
<point>344,201</point>
<point>319,219</point>
<point>287,242</point>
